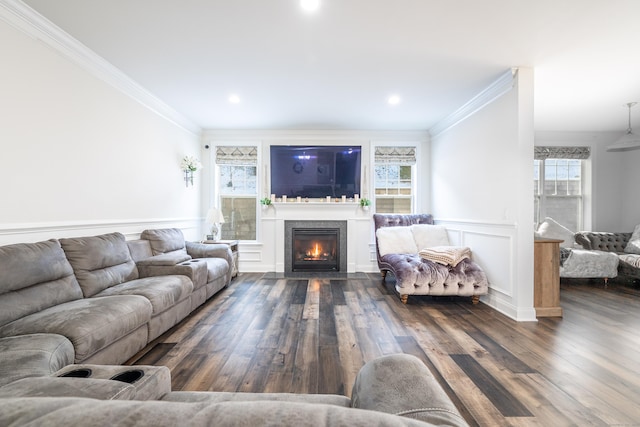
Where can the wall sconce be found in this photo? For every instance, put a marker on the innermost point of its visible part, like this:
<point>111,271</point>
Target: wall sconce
<point>189,165</point>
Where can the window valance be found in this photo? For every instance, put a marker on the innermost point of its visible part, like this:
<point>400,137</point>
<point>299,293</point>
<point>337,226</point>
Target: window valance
<point>237,155</point>
<point>396,155</point>
<point>552,152</point>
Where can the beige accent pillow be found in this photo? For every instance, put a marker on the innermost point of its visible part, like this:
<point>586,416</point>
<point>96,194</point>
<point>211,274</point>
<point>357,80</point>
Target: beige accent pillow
<point>446,255</point>
<point>428,235</point>
<point>551,229</point>
<point>633,245</point>
<point>396,240</point>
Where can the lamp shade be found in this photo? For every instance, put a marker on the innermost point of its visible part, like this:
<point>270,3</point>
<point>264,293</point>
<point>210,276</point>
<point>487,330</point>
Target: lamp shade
<point>628,141</point>
<point>214,216</point>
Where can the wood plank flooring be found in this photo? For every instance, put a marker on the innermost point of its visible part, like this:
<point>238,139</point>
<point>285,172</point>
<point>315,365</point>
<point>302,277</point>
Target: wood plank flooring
<point>313,335</point>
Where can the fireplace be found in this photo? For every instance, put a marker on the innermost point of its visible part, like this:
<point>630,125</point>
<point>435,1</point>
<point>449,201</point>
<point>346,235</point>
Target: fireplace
<point>315,249</point>
<point>315,246</point>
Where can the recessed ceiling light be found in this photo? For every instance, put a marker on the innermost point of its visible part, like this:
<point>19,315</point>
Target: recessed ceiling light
<point>234,99</point>
<point>393,100</point>
<point>310,5</point>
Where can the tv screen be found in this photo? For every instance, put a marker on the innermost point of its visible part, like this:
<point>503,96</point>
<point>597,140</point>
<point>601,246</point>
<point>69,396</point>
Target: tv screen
<point>315,171</point>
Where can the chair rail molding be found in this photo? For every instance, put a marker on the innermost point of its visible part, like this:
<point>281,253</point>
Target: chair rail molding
<point>131,228</point>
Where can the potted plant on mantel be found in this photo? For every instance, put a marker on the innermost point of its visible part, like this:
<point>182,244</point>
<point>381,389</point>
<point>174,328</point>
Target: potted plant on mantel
<point>365,203</point>
<point>265,202</point>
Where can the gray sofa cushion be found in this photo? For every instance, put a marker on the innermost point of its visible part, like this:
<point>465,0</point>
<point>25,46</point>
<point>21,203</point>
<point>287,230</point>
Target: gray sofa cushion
<point>35,276</point>
<point>204,396</point>
<point>100,261</point>
<point>162,291</point>
<point>139,249</point>
<point>401,384</point>
<point>90,412</point>
<point>89,323</point>
<point>33,356</point>
<point>165,240</point>
<point>216,267</point>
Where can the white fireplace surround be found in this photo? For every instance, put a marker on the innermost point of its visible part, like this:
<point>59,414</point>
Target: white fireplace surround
<point>357,228</point>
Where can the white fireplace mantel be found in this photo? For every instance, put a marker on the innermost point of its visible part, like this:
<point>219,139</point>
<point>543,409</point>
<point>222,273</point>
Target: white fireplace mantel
<point>359,226</point>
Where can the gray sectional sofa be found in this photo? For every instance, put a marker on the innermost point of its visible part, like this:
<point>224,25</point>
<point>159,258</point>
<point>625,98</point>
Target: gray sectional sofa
<point>106,296</point>
<point>394,390</point>
<point>73,309</point>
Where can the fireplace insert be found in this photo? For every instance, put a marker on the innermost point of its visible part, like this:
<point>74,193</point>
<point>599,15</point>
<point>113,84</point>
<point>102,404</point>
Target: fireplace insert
<point>315,249</point>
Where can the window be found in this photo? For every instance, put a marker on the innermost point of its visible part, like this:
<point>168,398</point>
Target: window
<point>237,187</point>
<point>558,184</point>
<point>393,179</point>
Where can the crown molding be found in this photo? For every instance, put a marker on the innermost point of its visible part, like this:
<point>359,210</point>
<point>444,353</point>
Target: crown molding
<point>502,85</point>
<point>314,135</point>
<point>22,17</point>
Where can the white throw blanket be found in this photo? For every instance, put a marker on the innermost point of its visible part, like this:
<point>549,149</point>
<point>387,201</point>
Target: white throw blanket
<point>446,255</point>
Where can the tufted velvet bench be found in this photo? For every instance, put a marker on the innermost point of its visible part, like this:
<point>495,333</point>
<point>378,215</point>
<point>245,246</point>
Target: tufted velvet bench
<point>612,242</point>
<point>417,276</point>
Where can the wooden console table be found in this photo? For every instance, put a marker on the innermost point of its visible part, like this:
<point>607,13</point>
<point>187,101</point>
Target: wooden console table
<point>546,277</point>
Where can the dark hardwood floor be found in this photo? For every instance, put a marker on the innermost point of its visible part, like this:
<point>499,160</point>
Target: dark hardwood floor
<point>313,335</point>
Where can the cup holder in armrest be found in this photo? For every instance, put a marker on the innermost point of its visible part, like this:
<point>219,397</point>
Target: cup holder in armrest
<point>78,373</point>
<point>129,376</point>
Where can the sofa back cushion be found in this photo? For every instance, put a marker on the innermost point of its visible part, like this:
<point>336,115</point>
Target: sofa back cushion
<point>139,249</point>
<point>165,240</point>
<point>33,277</point>
<point>100,262</point>
<point>633,245</point>
<point>429,236</point>
<point>395,240</point>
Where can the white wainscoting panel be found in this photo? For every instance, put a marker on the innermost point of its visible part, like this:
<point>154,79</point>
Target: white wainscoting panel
<point>36,232</point>
<point>493,247</point>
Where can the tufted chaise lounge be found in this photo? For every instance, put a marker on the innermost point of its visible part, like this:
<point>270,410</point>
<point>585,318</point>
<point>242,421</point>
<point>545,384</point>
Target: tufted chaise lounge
<point>417,276</point>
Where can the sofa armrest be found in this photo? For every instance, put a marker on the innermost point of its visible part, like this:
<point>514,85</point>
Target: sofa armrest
<point>209,250</point>
<point>401,384</point>
<point>212,250</point>
<point>602,241</point>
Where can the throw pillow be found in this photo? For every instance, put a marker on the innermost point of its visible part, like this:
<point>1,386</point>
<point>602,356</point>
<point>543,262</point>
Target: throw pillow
<point>551,229</point>
<point>427,235</point>
<point>446,255</point>
<point>633,245</point>
<point>395,240</point>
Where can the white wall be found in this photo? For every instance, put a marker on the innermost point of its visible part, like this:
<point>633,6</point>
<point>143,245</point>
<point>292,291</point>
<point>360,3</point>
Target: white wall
<point>261,256</point>
<point>627,189</point>
<point>481,190</point>
<point>81,157</point>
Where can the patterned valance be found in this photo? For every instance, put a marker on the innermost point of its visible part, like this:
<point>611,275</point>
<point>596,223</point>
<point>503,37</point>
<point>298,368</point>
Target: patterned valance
<point>237,155</point>
<point>580,153</point>
<point>396,155</point>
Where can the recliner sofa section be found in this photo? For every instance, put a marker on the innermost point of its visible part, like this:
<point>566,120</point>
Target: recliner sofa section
<point>91,291</point>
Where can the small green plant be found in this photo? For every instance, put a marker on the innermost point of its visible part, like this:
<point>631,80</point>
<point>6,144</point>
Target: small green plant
<point>265,201</point>
<point>365,202</point>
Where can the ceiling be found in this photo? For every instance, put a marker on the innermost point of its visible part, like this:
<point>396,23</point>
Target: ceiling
<point>336,68</point>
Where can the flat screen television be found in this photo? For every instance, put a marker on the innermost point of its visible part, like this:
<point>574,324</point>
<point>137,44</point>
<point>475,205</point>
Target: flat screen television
<point>315,171</point>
